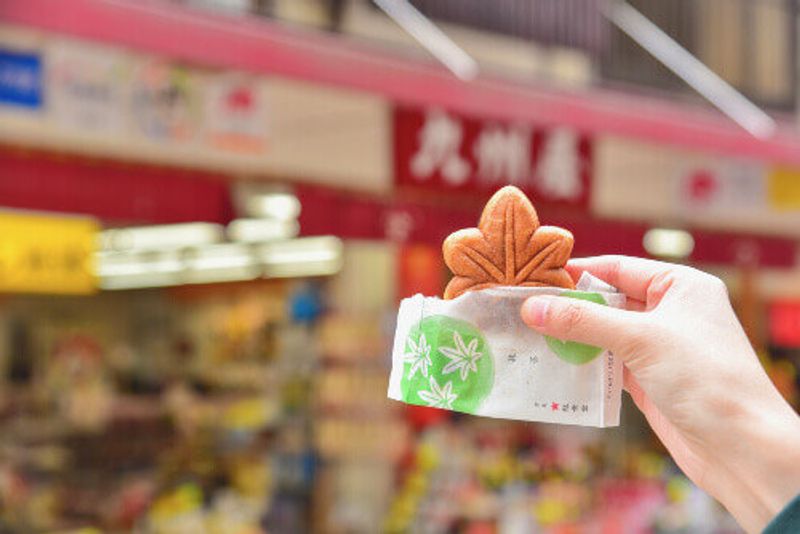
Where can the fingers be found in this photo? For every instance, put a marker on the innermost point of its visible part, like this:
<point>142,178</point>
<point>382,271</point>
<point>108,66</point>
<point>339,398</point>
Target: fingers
<point>633,388</point>
<point>632,276</point>
<point>585,322</point>
<point>635,305</point>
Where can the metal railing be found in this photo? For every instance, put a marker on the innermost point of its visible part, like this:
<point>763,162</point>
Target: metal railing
<point>749,43</point>
<point>572,23</point>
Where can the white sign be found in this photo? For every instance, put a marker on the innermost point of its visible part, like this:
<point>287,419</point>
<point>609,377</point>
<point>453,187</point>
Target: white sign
<point>165,103</point>
<point>724,186</point>
<point>87,87</point>
<point>235,113</point>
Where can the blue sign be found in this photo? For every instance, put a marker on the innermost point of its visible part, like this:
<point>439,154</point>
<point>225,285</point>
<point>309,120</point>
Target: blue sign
<point>20,79</point>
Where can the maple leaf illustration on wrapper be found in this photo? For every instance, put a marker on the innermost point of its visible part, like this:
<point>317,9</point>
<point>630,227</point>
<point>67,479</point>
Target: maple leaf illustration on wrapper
<point>508,248</point>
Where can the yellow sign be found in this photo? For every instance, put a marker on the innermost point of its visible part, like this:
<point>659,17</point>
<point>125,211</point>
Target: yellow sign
<point>47,254</point>
<point>784,188</point>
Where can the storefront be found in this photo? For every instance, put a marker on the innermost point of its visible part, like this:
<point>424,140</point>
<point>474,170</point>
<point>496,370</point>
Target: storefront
<point>219,372</point>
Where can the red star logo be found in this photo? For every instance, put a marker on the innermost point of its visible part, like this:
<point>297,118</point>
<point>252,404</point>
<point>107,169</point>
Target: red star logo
<point>240,98</point>
<point>554,406</point>
<point>703,186</point>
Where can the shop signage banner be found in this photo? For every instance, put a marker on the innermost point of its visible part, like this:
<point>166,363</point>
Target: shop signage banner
<point>349,216</point>
<point>722,187</point>
<point>420,269</point>
<point>87,87</point>
<point>165,103</point>
<point>20,79</point>
<point>112,191</point>
<point>235,113</point>
<point>784,323</point>
<point>47,254</point>
<point>438,150</point>
<point>784,188</point>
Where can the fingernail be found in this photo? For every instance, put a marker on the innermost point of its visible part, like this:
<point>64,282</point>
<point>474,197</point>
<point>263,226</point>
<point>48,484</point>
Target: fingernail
<point>534,311</point>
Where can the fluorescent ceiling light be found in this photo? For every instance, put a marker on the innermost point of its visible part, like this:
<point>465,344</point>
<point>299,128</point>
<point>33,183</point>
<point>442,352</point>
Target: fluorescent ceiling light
<point>138,281</point>
<point>221,263</point>
<point>124,270</point>
<point>309,256</point>
<point>226,262</point>
<point>304,268</point>
<point>260,230</point>
<point>668,243</point>
<point>278,205</point>
<point>220,257</point>
<point>125,263</point>
<point>161,237</point>
<point>312,248</point>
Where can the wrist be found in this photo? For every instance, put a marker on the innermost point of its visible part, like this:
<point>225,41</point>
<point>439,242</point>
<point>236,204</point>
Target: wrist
<point>760,462</point>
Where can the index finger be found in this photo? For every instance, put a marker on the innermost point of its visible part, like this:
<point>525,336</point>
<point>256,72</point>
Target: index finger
<point>630,275</point>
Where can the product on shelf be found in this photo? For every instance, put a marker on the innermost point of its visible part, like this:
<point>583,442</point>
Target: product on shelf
<point>477,475</point>
<point>181,411</point>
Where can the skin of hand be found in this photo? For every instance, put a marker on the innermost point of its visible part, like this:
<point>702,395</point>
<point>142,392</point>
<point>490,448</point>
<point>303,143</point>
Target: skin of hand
<point>691,370</point>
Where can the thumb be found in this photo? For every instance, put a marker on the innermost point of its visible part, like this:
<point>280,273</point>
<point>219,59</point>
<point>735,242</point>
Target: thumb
<point>579,320</point>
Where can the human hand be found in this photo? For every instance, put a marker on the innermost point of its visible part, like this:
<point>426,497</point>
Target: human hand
<point>692,372</point>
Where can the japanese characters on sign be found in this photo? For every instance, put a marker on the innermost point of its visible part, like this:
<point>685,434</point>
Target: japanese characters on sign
<point>439,150</point>
<point>88,87</point>
<point>47,254</point>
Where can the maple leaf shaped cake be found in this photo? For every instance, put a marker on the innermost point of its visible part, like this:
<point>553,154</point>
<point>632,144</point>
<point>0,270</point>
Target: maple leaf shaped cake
<point>508,248</point>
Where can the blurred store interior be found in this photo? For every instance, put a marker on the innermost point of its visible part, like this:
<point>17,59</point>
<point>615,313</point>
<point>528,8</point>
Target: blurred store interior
<point>211,209</point>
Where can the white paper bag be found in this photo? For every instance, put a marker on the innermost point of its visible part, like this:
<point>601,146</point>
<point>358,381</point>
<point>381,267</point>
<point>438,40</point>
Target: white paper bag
<point>473,354</point>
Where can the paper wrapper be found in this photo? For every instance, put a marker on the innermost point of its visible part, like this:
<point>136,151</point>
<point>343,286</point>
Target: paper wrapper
<point>473,354</point>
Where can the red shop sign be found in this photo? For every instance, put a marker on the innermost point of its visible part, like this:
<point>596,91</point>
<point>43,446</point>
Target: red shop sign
<point>352,216</point>
<point>784,323</point>
<point>439,150</point>
<point>113,191</point>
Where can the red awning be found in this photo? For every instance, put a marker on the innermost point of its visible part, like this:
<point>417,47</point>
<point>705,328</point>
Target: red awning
<point>118,192</point>
<point>258,45</point>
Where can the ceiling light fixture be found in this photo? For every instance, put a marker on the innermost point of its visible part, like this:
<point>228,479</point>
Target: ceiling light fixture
<point>161,237</point>
<point>309,256</point>
<point>668,243</point>
<point>261,230</point>
<point>126,270</point>
<point>226,262</point>
<point>277,205</point>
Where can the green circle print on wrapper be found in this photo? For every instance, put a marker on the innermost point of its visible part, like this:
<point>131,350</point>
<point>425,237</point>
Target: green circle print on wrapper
<point>571,351</point>
<point>447,364</point>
